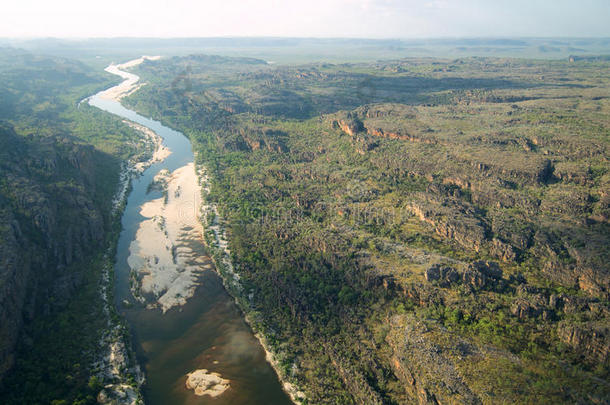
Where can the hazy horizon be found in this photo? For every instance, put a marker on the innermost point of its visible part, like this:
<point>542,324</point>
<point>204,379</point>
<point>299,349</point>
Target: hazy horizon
<point>288,37</point>
<point>358,19</point>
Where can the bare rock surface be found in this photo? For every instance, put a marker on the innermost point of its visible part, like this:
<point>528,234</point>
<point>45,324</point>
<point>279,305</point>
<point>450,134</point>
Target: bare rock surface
<point>204,382</point>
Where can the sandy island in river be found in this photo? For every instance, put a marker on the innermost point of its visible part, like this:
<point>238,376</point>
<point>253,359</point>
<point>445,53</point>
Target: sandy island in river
<point>161,256</point>
<point>129,85</point>
<point>206,383</point>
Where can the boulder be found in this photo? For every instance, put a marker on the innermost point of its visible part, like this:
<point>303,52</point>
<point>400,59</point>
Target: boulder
<point>433,273</point>
<point>482,275</point>
<point>474,279</point>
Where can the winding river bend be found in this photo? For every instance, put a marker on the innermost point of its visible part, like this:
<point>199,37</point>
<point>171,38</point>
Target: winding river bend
<point>197,325</point>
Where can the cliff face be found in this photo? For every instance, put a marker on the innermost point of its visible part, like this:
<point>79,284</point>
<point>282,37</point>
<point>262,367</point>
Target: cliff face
<point>49,222</point>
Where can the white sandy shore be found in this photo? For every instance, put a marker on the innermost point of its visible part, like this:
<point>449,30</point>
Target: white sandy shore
<point>162,255</point>
<point>129,85</point>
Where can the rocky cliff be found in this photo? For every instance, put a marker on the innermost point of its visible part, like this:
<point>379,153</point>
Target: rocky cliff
<point>50,221</point>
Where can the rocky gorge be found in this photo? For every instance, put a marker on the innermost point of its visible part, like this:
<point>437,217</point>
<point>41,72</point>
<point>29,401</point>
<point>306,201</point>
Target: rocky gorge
<point>408,231</point>
<point>50,226</point>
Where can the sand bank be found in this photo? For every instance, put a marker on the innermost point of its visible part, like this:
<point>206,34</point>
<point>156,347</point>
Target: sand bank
<point>165,256</point>
<point>130,84</point>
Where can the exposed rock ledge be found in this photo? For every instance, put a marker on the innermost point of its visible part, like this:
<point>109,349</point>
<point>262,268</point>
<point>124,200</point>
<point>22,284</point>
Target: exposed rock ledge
<point>206,383</point>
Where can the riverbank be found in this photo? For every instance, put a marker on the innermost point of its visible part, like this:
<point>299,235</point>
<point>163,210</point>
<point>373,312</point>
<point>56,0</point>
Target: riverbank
<point>217,243</point>
<point>160,151</point>
<point>163,266</point>
<point>116,367</point>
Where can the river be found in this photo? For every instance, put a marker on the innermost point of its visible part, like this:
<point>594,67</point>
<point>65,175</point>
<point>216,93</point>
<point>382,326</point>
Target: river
<point>208,331</point>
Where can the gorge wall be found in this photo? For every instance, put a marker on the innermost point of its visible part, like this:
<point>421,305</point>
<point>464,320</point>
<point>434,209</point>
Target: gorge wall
<point>51,222</point>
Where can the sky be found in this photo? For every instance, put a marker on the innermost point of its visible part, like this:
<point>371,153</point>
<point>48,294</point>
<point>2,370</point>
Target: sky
<point>305,18</point>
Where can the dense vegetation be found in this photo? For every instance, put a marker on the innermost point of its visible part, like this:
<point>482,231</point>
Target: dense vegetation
<point>411,230</point>
<point>59,169</point>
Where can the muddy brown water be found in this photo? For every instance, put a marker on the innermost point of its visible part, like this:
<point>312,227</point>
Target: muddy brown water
<point>208,332</point>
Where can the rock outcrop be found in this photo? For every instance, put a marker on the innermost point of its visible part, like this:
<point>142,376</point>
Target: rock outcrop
<point>590,339</point>
<point>429,376</point>
<point>478,276</point>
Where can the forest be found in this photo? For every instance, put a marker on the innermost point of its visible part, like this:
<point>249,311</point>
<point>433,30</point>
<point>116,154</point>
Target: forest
<point>420,229</point>
<point>59,170</point>
<point>409,230</point>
